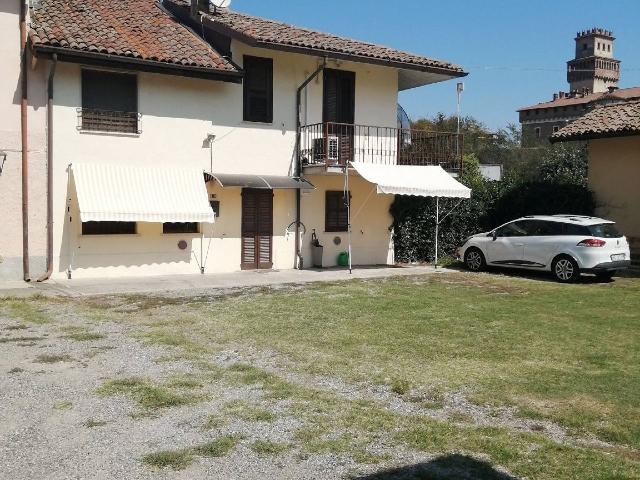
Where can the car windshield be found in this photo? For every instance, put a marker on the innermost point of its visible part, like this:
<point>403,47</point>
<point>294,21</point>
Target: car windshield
<point>605,230</point>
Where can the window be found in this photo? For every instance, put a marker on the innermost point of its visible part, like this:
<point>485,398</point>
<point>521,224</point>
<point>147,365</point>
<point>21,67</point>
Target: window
<point>215,206</point>
<point>537,132</point>
<point>555,128</point>
<point>513,229</point>
<point>258,89</point>
<point>336,213</point>
<point>605,230</point>
<point>572,229</point>
<point>109,102</point>
<point>609,48</point>
<point>542,228</point>
<point>108,228</point>
<point>180,227</point>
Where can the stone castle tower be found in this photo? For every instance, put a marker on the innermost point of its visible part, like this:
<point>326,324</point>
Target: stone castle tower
<point>593,69</point>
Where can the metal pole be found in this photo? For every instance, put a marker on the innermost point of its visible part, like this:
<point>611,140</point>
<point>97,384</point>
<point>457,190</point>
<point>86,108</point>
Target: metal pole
<point>297,168</point>
<point>437,226</point>
<point>201,249</point>
<point>459,90</point>
<point>348,197</point>
<point>24,125</point>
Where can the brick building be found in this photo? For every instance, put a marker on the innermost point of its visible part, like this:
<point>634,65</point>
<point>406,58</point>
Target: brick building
<point>592,75</point>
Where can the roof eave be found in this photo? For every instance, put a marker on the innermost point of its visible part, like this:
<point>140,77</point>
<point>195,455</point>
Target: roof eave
<point>593,136</point>
<point>105,59</point>
<point>360,59</point>
<point>239,36</point>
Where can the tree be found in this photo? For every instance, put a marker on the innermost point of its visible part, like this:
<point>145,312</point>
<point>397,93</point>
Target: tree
<point>545,180</point>
<point>503,147</point>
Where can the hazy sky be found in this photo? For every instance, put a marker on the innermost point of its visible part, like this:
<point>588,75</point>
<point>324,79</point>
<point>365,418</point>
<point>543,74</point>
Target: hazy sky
<point>515,51</point>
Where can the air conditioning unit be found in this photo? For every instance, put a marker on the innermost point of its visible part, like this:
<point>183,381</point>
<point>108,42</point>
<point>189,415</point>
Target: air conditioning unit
<point>332,143</point>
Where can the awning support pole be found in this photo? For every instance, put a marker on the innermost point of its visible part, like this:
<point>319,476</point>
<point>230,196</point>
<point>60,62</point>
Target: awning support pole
<point>201,251</point>
<point>70,253</point>
<point>347,196</point>
<point>440,220</point>
<point>437,228</point>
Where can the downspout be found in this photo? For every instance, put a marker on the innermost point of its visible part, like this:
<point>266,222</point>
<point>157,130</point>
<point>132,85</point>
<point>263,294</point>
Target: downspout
<point>52,72</point>
<point>298,167</point>
<point>24,142</point>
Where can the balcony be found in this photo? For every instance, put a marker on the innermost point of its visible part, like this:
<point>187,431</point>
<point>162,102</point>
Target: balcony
<point>335,144</point>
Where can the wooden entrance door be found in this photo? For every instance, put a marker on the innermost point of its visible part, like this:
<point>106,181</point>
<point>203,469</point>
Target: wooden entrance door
<point>257,228</point>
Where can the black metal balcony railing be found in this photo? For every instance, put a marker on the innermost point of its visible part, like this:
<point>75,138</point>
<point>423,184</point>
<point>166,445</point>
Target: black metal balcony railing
<point>108,121</point>
<point>334,144</point>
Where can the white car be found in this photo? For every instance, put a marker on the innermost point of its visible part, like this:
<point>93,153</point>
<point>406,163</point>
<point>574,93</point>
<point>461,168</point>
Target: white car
<point>566,245</point>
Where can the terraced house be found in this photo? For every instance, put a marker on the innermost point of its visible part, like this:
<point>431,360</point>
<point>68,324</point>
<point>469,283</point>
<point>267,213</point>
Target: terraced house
<point>144,137</point>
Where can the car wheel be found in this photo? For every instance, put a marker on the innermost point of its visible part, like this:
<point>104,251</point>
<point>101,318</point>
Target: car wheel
<point>565,269</point>
<point>474,260</point>
<point>606,275</point>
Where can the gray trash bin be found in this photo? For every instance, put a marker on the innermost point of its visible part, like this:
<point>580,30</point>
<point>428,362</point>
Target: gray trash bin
<point>316,255</point>
<point>316,250</point>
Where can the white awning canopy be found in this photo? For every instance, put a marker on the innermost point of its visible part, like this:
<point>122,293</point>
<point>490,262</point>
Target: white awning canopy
<point>141,194</point>
<point>423,181</point>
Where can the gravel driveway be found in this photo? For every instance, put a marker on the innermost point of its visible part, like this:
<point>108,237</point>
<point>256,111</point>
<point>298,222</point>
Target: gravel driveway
<point>86,397</point>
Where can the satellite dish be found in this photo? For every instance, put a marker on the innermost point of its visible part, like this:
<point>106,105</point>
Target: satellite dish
<point>220,3</point>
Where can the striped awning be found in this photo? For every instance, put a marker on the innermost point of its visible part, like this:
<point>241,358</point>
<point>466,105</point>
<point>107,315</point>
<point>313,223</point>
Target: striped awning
<point>141,194</point>
<point>422,181</point>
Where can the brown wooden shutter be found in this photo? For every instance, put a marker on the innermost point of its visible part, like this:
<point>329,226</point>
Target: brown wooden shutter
<point>257,229</point>
<point>265,228</point>
<point>249,230</point>
<point>258,89</point>
<point>330,97</point>
<point>339,110</point>
<point>336,212</point>
<point>338,96</point>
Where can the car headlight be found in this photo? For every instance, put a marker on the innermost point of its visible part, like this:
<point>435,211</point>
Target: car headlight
<point>466,240</point>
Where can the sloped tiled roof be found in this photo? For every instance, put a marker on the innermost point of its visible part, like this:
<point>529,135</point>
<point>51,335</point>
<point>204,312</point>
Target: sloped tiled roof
<point>619,94</point>
<point>616,119</point>
<point>136,29</point>
<point>273,34</point>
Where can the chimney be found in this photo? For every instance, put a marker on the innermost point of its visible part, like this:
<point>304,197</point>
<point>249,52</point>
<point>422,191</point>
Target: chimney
<point>555,97</point>
<point>199,6</point>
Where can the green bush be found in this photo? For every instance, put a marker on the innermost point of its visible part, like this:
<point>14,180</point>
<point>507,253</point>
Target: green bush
<point>557,186</point>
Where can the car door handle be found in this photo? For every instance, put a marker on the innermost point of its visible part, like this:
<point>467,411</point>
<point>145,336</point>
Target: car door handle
<point>519,244</point>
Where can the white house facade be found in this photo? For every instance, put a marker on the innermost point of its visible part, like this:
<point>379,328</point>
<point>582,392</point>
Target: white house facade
<point>126,102</point>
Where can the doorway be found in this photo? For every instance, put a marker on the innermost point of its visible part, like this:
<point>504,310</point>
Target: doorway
<point>338,114</point>
<point>257,229</point>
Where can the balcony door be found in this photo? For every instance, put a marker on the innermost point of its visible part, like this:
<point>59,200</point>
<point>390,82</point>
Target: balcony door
<point>338,114</point>
<point>257,229</point>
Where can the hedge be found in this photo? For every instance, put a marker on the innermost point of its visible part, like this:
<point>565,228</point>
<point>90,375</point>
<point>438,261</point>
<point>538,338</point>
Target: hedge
<point>560,187</point>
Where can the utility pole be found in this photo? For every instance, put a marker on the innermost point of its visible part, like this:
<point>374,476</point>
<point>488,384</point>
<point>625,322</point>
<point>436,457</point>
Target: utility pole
<point>459,90</point>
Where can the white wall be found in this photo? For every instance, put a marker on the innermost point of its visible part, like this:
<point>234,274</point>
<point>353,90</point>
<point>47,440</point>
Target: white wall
<point>177,115</point>
<point>10,142</point>
<point>371,236</point>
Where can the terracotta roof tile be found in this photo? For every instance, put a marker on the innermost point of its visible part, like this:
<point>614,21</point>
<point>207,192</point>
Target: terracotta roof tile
<point>620,94</point>
<point>138,29</point>
<point>264,32</point>
<point>616,119</point>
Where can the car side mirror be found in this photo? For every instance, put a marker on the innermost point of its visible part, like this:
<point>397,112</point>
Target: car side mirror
<point>494,235</point>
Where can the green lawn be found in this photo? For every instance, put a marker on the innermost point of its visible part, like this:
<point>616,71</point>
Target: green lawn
<point>566,356</point>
